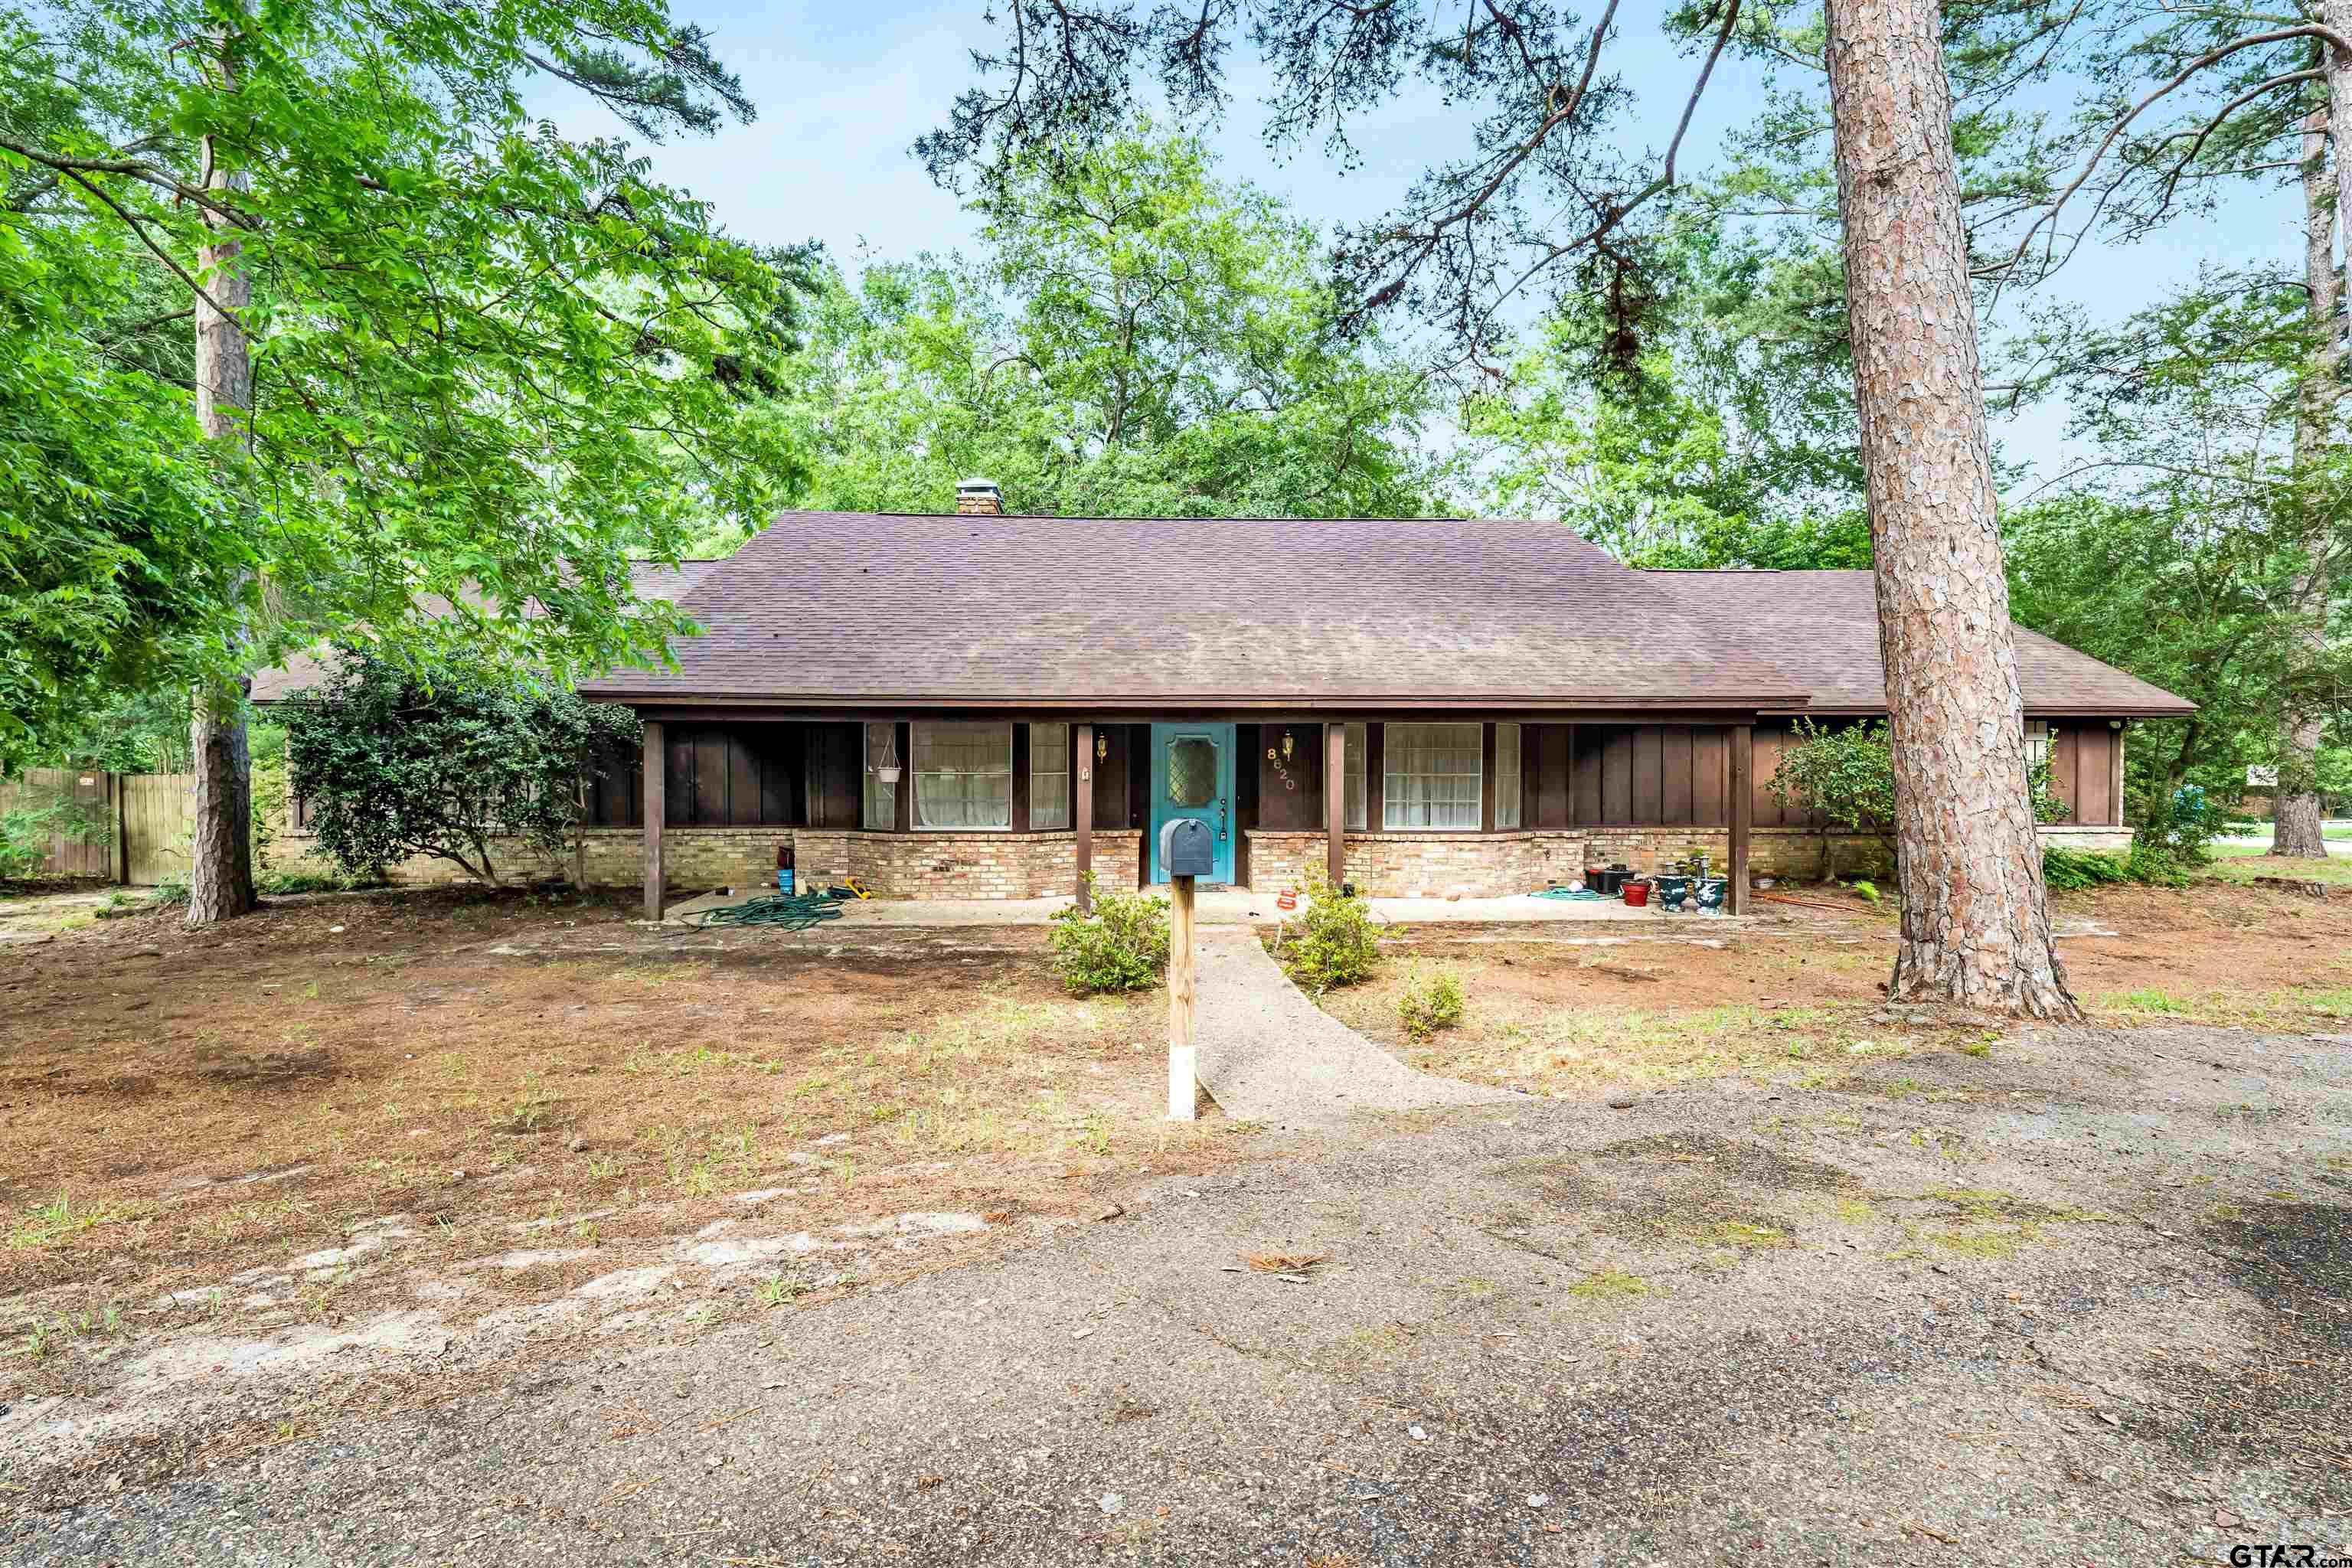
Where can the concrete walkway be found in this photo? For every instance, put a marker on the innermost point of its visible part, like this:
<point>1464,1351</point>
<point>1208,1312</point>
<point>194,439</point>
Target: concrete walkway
<point>1270,1055</point>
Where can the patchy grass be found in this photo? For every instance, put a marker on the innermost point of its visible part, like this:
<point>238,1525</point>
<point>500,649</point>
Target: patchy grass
<point>2244,862</point>
<point>1560,1021</point>
<point>46,1225</point>
<point>1803,1005</point>
<point>480,1063</point>
<point>1609,1285</point>
<point>2292,1007</point>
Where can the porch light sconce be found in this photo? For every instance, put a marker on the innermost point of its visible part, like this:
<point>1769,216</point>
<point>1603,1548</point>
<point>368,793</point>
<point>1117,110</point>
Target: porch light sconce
<point>1102,747</point>
<point>1280,757</point>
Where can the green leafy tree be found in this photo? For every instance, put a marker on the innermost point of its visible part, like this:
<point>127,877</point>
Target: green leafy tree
<point>2184,550</point>
<point>448,760</point>
<point>1845,775</point>
<point>1724,437</point>
<point>1133,337</point>
<point>323,332</point>
<point>2187,105</point>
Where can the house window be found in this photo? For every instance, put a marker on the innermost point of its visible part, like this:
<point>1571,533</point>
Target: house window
<point>963,776</point>
<point>1507,776</point>
<point>880,811</point>
<point>1430,778</point>
<point>1049,776</point>
<point>2037,741</point>
<point>1354,764</point>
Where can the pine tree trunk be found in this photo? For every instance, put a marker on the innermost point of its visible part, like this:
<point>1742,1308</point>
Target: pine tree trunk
<point>2296,826</point>
<point>220,869</point>
<point>1976,921</point>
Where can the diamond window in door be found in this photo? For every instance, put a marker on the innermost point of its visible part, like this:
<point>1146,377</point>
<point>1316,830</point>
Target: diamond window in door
<point>1191,770</point>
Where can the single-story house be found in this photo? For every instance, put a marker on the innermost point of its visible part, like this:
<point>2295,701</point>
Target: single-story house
<point>983,705</point>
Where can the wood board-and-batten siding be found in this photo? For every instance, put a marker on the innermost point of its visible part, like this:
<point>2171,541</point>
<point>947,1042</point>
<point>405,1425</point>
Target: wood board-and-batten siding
<point>1572,775</point>
<point>812,775</point>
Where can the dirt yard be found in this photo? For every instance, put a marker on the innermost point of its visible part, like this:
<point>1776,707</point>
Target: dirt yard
<point>1803,1003</point>
<point>512,1098</point>
<point>454,1133</point>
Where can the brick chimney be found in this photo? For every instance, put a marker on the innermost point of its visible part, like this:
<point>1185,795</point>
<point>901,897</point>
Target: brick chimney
<point>979,498</point>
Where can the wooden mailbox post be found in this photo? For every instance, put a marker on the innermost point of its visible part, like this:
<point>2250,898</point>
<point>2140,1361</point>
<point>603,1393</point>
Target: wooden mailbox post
<point>1185,849</point>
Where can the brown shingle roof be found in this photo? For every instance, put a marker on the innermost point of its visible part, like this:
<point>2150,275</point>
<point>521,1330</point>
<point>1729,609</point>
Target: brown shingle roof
<point>833,609</point>
<point>1825,624</point>
<point>836,608</point>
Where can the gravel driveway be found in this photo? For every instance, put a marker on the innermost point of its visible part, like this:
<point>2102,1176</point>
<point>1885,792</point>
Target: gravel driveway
<point>2081,1300</point>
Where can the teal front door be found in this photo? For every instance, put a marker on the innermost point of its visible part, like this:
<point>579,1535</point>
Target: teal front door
<point>1193,775</point>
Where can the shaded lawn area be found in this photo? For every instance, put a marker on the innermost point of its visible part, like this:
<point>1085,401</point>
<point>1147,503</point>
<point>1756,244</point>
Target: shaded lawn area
<point>177,1106</point>
<point>2243,862</point>
<point>1803,1004</point>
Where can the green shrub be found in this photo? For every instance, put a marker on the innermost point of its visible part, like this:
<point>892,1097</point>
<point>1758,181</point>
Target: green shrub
<point>1335,945</point>
<point>302,881</point>
<point>1868,889</point>
<point>1431,1005</point>
<point>2152,865</point>
<point>2071,870</point>
<point>173,890</point>
<point>1121,945</point>
<point>2160,865</point>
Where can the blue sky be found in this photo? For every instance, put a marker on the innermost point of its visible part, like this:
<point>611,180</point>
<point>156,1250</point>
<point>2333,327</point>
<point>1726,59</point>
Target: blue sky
<point>843,90</point>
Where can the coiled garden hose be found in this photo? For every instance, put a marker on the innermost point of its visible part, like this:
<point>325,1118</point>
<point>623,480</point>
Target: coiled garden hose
<point>797,911</point>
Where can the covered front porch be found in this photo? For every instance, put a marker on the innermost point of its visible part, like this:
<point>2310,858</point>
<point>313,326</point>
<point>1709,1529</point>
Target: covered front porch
<point>1445,806</point>
<point>1436,807</point>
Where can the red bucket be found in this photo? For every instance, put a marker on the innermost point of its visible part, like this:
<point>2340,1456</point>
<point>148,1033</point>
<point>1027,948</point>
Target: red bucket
<point>1637,894</point>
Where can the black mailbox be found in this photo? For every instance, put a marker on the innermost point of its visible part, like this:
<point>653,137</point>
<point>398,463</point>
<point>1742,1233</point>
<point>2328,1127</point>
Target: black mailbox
<point>1186,848</point>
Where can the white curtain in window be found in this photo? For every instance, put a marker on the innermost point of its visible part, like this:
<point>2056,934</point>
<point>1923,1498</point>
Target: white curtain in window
<point>1049,776</point>
<point>1431,776</point>
<point>1355,770</point>
<point>1507,776</point>
<point>880,811</point>
<point>964,774</point>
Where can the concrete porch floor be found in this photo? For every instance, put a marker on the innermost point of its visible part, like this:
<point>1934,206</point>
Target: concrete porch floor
<point>1216,907</point>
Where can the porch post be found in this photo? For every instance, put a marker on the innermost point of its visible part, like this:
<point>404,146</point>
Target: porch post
<point>1335,803</point>
<point>655,761</point>
<point>1743,814</point>
<point>1082,809</point>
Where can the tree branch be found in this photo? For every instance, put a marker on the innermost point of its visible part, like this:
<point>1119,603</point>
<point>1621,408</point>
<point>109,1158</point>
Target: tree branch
<point>2115,131</point>
<point>138,228</point>
<point>133,169</point>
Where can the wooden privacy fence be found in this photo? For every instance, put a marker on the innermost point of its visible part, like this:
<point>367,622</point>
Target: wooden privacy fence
<point>158,821</point>
<point>148,820</point>
<point>67,857</point>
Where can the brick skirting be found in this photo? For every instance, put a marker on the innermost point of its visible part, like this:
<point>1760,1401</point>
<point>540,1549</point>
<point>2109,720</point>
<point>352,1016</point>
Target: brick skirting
<point>896,864</point>
<point>1416,865</point>
<point>1039,864</point>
